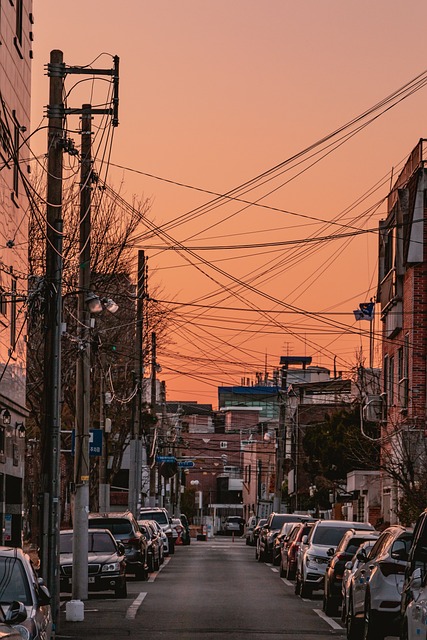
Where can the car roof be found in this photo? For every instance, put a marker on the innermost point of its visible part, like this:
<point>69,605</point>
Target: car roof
<point>346,524</point>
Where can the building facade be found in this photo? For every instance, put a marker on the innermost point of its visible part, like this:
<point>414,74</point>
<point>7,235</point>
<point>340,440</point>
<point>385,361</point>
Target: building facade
<point>16,37</point>
<point>402,294</point>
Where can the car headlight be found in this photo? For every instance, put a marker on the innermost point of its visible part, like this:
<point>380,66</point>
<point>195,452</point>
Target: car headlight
<point>112,566</point>
<point>23,631</point>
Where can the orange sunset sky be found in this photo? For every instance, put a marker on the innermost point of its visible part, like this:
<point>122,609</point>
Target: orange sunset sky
<point>214,94</point>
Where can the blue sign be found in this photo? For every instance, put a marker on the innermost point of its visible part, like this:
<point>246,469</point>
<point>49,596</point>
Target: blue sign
<point>95,442</point>
<point>165,459</point>
<point>186,464</point>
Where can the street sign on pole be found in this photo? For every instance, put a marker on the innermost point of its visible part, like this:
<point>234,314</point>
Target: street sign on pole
<point>185,464</point>
<point>165,459</point>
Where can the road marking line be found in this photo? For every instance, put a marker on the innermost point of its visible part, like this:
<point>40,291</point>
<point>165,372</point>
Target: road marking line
<point>327,619</point>
<point>287,582</point>
<point>133,609</point>
<point>274,569</point>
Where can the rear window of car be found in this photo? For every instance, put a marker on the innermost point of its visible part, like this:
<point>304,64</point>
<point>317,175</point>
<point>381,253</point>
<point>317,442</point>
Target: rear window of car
<point>158,516</point>
<point>354,544</point>
<point>328,535</point>
<point>117,527</point>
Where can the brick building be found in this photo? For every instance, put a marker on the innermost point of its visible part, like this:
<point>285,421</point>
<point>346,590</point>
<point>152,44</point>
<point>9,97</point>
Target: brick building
<point>402,294</point>
<point>15,81</point>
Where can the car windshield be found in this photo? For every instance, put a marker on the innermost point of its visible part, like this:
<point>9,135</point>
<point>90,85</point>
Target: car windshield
<point>13,582</point>
<point>158,516</point>
<point>328,535</point>
<point>97,542</point>
<point>117,527</point>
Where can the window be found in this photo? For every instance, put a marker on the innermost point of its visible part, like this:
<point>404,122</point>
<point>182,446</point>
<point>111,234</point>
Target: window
<point>16,143</point>
<point>391,382</point>
<point>19,14</point>
<point>13,316</point>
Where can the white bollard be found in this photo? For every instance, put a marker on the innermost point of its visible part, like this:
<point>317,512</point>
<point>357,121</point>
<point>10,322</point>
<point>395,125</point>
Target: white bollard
<point>74,611</point>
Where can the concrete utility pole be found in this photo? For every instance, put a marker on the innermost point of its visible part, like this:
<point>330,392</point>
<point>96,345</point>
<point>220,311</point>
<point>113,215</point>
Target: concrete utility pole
<point>281,444</point>
<point>153,469</point>
<point>81,453</point>
<point>136,449</point>
<point>51,433</point>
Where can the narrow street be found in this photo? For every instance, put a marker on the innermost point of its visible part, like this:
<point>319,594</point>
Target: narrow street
<point>210,589</point>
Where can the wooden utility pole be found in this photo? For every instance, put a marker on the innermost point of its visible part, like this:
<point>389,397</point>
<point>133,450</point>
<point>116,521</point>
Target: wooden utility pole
<point>136,449</point>
<point>81,453</point>
<point>51,434</point>
<point>281,443</point>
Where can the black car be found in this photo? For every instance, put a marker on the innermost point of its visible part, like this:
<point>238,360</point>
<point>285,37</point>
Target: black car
<point>253,541</point>
<point>154,544</point>
<point>125,529</point>
<point>349,544</point>
<point>271,529</point>
<point>106,562</point>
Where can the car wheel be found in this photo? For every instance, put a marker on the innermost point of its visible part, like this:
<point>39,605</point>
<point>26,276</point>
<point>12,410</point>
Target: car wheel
<point>121,590</point>
<point>404,630</point>
<point>305,590</point>
<point>276,560</point>
<point>151,564</point>
<point>157,564</point>
<point>282,571</point>
<point>171,546</point>
<point>329,607</point>
<point>141,573</point>
<point>351,623</point>
<point>297,585</point>
<point>290,573</point>
<point>372,630</point>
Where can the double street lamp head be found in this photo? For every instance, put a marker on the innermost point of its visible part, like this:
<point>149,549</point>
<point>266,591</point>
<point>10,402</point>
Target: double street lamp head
<point>96,304</point>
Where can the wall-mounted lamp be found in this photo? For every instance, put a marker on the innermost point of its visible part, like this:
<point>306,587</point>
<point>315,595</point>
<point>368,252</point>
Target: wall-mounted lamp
<point>20,429</point>
<point>6,417</point>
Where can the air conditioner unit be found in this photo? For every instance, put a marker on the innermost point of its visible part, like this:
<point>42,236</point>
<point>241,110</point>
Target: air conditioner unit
<point>372,410</point>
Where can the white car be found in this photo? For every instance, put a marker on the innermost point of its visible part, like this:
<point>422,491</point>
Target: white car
<point>316,552</point>
<point>350,568</point>
<point>373,609</point>
<point>414,624</point>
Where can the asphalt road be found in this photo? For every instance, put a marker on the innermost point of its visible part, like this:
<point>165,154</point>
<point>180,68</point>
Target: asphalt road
<point>211,589</point>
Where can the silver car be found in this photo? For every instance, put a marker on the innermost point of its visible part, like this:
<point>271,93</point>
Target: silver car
<point>20,583</point>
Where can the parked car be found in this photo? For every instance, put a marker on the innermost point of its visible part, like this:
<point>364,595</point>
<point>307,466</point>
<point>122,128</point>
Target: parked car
<point>289,551</point>
<point>374,602</point>
<point>313,559</point>
<point>280,540</point>
<point>414,619</point>
<point>253,540</point>
<point>234,524</point>
<point>350,568</point>
<point>163,539</point>
<point>345,550</point>
<point>154,544</point>
<point>417,560</point>
<point>161,516</point>
<point>270,530</point>
<point>125,529</point>
<point>249,527</point>
<point>106,562</point>
<point>24,586</point>
<point>186,538</point>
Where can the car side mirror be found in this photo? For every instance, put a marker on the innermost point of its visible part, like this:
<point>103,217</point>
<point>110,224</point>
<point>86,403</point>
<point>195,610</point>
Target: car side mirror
<point>44,596</point>
<point>304,539</point>
<point>361,556</point>
<point>121,548</point>
<point>330,552</point>
<point>16,613</point>
<point>348,565</point>
<point>416,579</point>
